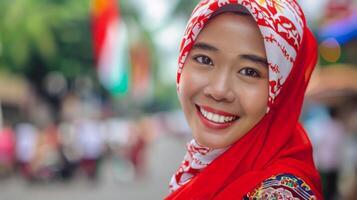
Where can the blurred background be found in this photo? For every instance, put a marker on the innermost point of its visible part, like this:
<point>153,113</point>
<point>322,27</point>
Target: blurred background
<point>88,104</point>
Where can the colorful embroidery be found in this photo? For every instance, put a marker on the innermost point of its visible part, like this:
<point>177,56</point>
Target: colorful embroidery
<point>282,187</point>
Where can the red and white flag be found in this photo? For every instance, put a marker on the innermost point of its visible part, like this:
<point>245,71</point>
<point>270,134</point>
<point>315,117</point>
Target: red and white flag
<point>110,47</point>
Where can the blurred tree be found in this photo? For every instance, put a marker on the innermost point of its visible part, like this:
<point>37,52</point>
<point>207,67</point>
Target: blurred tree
<point>40,36</point>
<point>43,29</point>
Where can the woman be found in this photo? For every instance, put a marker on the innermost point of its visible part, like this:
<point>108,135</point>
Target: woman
<point>243,69</point>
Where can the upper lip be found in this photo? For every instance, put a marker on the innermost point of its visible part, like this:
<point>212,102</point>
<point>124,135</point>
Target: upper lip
<point>215,111</point>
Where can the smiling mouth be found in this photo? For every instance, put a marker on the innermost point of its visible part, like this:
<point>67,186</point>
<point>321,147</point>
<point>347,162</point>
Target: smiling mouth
<point>215,118</point>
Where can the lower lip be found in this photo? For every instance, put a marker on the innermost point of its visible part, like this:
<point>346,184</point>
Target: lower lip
<point>211,124</point>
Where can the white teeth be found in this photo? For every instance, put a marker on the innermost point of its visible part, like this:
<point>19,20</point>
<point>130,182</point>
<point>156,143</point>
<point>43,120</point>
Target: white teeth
<point>210,116</point>
<point>221,119</point>
<point>215,117</point>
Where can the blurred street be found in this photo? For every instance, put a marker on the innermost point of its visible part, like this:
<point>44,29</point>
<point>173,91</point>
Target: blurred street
<point>164,156</point>
<point>89,107</point>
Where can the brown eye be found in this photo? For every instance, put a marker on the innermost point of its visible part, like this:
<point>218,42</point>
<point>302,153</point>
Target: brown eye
<point>203,60</point>
<point>247,71</point>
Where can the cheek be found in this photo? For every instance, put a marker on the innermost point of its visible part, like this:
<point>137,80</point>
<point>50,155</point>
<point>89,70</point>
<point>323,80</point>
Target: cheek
<point>254,100</point>
<point>191,84</point>
<point>185,91</point>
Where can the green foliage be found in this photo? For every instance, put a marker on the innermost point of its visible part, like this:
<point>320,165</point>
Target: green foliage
<point>50,30</point>
<point>40,36</point>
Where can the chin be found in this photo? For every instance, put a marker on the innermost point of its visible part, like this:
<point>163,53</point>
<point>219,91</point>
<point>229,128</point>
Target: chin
<point>211,143</point>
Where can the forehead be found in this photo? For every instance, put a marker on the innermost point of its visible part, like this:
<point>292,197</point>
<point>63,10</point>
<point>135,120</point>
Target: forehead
<point>233,32</point>
<point>230,22</point>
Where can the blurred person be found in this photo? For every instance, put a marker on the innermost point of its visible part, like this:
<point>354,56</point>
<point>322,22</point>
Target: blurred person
<point>91,146</point>
<point>47,161</point>
<point>118,138</point>
<point>329,152</point>
<point>71,107</point>
<point>139,137</point>
<point>243,71</point>
<point>347,183</point>
<point>26,139</point>
<point>7,151</point>
<point>69,150</point>
<point>347,175</point>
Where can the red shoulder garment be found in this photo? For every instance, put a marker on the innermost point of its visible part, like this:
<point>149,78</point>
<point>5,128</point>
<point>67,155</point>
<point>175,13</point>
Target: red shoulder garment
<point>278,143</point>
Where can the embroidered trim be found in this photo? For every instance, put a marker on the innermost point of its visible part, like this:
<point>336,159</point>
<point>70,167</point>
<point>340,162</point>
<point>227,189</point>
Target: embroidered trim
<point>283,186</point>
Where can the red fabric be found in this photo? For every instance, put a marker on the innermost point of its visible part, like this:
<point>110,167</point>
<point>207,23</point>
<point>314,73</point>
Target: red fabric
<point>277,144</point>
<point>104,12</point>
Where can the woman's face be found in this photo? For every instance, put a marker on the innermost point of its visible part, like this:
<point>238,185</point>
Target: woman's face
<point>224,83</point>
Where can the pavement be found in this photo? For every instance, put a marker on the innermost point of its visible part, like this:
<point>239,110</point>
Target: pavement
<point>163,158</point>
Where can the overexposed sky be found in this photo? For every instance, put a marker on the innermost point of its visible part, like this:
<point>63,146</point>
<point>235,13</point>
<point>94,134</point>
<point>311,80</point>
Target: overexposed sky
<point>313,9</point>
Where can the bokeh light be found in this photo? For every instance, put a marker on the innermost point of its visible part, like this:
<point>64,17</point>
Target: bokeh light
<point>330,50</point>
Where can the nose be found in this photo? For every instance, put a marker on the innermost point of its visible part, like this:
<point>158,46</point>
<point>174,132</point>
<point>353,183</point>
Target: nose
<point>219,87</point>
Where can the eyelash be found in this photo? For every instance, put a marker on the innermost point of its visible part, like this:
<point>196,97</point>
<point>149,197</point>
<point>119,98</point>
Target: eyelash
<point>246,71</point>
<point>205,60</point>
<point>249,71</point>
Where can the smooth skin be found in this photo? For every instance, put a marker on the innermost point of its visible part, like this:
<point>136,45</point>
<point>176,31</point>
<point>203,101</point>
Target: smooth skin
<point>226,73</point>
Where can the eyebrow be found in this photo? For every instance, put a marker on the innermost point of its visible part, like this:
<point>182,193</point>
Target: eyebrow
<point>255,58</point>
<point>250,57</point>
<point>204,46</point>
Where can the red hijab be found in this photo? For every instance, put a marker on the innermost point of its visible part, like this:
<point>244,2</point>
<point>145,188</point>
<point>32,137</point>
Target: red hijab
<point>278,143</point>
